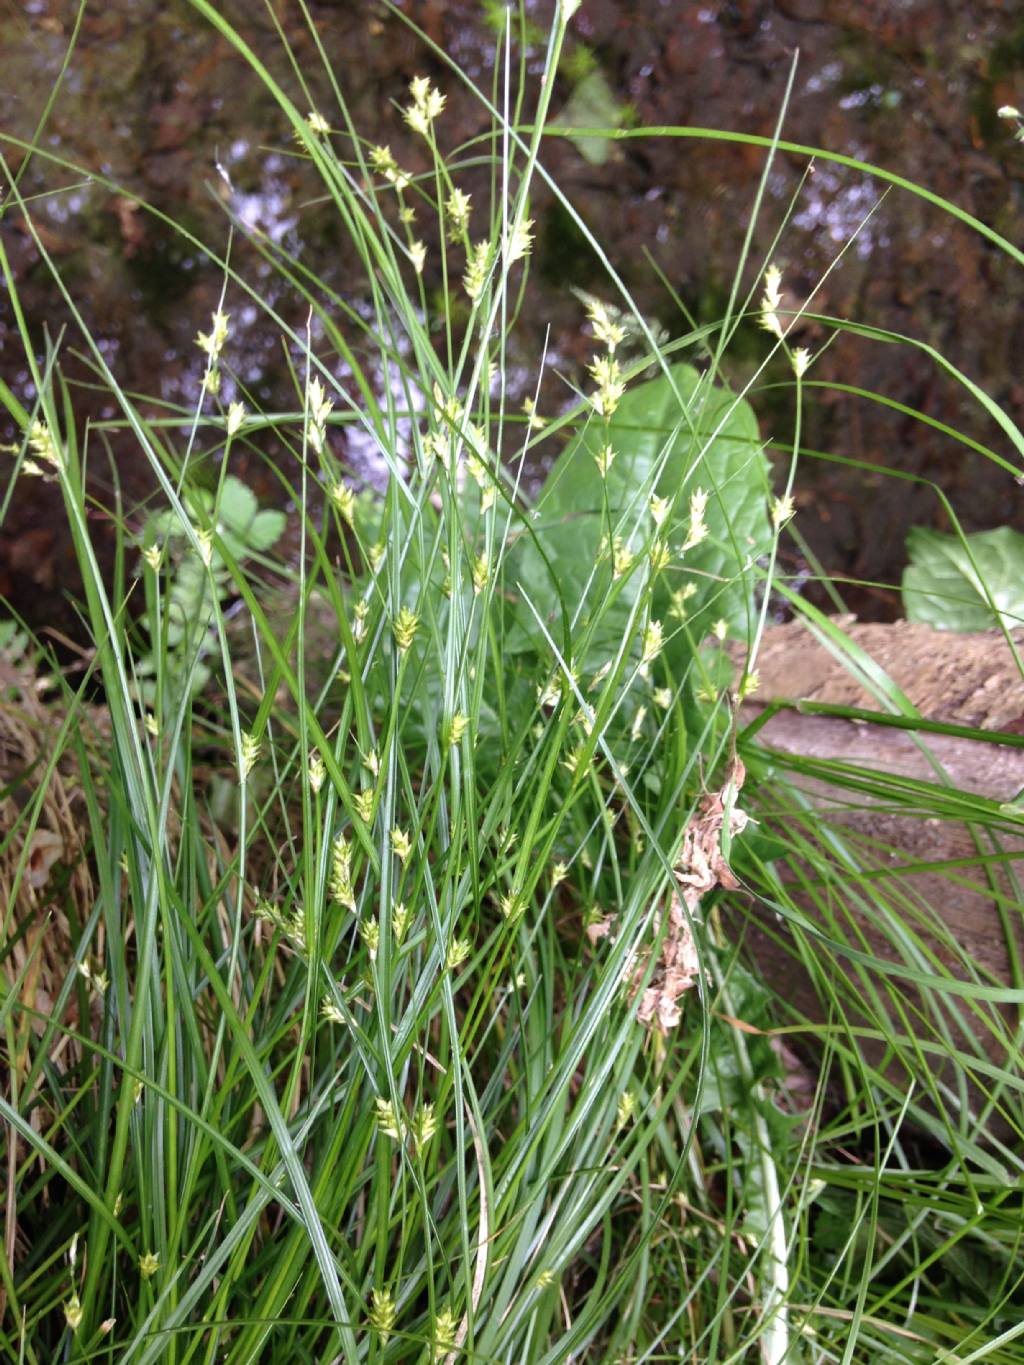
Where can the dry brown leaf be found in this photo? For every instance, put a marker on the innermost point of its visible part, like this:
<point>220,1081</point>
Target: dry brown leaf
<point>599,928</point>
<point>44,849</point>
<point>676,972</point>
<point>743,1026</point>
<point>701,865</point>
<point>700,868</point>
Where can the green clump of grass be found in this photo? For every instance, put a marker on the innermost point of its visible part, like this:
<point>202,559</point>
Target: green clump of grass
<point>357,1050</point>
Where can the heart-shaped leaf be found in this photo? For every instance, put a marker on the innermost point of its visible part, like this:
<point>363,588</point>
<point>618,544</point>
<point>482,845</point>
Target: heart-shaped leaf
<point>968,584</point>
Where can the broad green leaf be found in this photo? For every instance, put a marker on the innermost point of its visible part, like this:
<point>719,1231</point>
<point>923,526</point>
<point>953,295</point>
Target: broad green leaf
<point>942,587</point>
<point>190,604</point>
<point>592,104</point>
<point>238,505</point>
<point>193,590</point>
<point>671,436</point>
<point>265,529</point>
<point>244,527</point>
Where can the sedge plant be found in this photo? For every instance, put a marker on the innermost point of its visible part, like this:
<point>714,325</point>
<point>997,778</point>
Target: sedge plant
<point>404,1021</point>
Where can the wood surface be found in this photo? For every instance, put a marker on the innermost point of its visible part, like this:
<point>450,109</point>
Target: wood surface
<point>968,680</point>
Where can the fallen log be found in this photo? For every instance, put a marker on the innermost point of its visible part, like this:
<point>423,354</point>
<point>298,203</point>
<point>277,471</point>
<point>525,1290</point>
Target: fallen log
<point>957,888</point>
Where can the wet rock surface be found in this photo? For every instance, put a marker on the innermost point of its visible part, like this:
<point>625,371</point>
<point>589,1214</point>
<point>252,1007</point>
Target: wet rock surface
<point>155,100</point>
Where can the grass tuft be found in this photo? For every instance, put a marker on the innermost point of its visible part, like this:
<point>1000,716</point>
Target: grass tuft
<point>376,980</point>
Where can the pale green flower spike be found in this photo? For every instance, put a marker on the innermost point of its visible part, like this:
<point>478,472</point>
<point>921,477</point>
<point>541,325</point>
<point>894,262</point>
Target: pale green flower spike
<point>457,208</point>
<point>341,873</point>
<point>369,929</point>
<point>600,675</point>
<point>549,693</point>
<point>626,1108</point>
<point>427,105</point>
<point>295,928</point>
<point>748,685</point>
<point>698,527</point>
<point>445,1328</point>
<point>345,501</point>
<point>679,600</point>
<point>400,844</point>
<point>481,574</point>
<point>771,300</point>
<point>44,448</point>
<point>405,629</point>
<point>383,1313</point>
<point>783,509</point>
<point>606,373</point>
<point>603,459</point>
<point>384,162</point>
<point>149,1264</point>
<point>476,470</point>
<point>457,728</point>
<point>250,753</point>
<point>475,278</point>
<point>608,332</point>
<point>387,1122</point>
<point>659,509</point>
<point>659,556</point>
<point>424,1126</point>
<point>330,1011</point>
<point>654,639</point>
<point>458,950</point>
<point>573,761</point>
<point>622,558</point>
<point>520,242</point>
<point>362,610</point>
<point>534,420</point>
<point>400,917</point>
<point>319,407</point>
<point>213,343</point>
<point>801,360</point>
<point>511,906</point>
<point>316,770</point>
